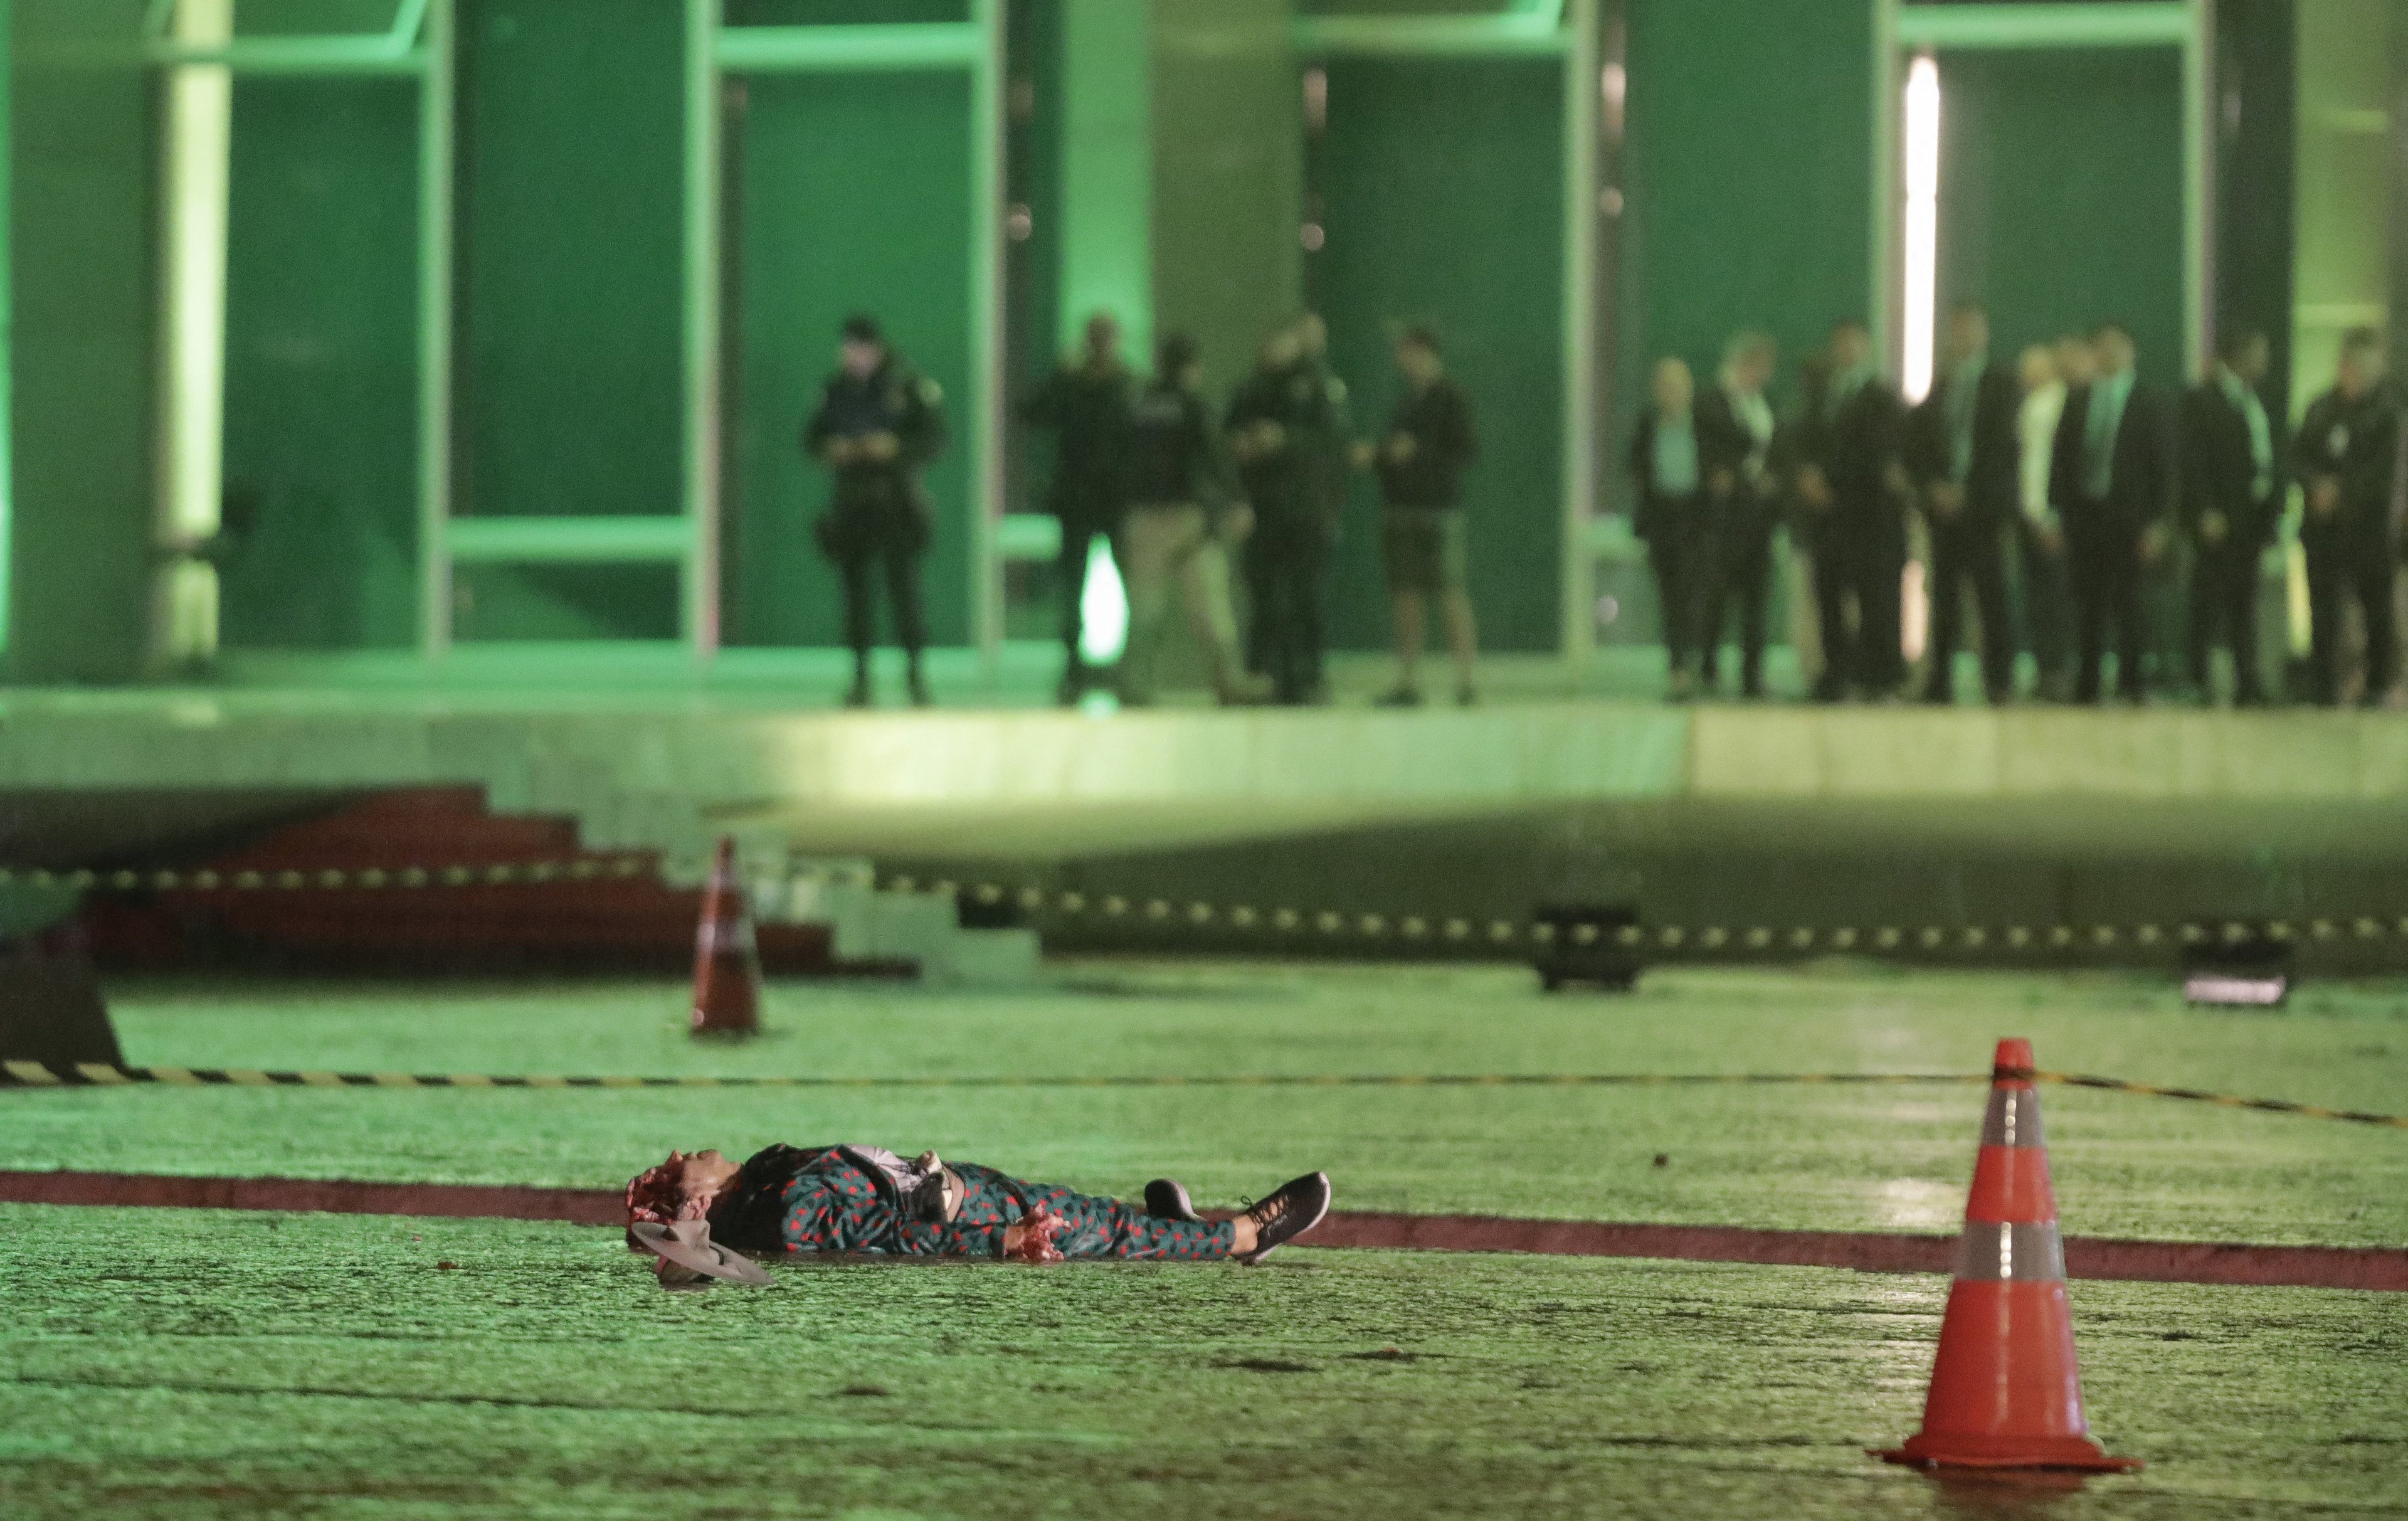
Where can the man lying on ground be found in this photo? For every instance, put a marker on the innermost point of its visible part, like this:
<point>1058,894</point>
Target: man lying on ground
<point>868,1199</point>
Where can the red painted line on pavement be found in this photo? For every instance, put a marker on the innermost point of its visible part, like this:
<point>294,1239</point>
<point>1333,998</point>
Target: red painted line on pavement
<point>1866,1251</point>
<point>2085,1257</point>
<point>2091,1257</point>
<point>159,1190</point>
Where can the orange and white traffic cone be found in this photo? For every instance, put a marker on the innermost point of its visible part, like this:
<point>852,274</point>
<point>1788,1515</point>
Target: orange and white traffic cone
<point>726,964</point>
<point>2005,1390</point>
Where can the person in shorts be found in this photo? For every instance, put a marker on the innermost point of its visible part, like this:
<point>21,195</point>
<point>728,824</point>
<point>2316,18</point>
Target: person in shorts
<point>1431,440</point>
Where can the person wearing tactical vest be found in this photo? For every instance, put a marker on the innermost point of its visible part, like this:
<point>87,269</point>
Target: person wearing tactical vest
<point>878,424</point>
<point>1278,428</point>
<point>2349,462</point>
<point>2230,506</point>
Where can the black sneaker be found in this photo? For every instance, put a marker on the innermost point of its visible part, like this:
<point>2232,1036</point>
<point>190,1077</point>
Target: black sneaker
<point>1165,1198</point>
<point>1297,1208</point>
<point>1402,697</point>
<point>857,694</point>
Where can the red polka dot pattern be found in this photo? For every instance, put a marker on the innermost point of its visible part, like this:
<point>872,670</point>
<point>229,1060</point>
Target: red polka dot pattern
<point>831,1205</point>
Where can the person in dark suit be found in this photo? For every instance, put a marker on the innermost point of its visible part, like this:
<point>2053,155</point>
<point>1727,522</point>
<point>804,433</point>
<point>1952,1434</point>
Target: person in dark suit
<point>2112,474</point>
<point>1736,436</point>
<point>1964,461</point>
<point>2229,509</point>
<point>878,424</point>
<point>1852,486</point>
<point>1667,473</point>
<point>2349,460</point>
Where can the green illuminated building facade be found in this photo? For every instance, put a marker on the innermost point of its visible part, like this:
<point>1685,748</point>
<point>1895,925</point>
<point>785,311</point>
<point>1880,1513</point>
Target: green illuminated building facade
<point>382,339</point>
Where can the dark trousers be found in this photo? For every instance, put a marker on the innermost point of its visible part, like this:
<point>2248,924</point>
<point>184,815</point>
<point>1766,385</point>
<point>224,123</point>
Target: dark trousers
<point>1070,569</point>
<point>2224,610</point>
<point>1681,555</point>
<point>1741,579</point>
<point>1969,555</point>
<point>902,568</point>
<point>2047,609</point>
<point>1860,565</point>
<point>1282,566</point>
<point>2342,570</point>
<point>2104,571</point>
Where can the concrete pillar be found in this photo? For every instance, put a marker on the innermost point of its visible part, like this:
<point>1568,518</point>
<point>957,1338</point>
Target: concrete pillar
<point>2396,120</point>
<point>1107,171</point>
<point>1228,175</point>
<point>7,286</point>
<point>2344,177</point>
<point>82,350</point>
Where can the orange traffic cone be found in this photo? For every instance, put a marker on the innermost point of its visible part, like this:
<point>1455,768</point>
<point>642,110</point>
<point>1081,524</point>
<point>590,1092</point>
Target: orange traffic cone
<point>2005,1391</point>
<point>726,965</point>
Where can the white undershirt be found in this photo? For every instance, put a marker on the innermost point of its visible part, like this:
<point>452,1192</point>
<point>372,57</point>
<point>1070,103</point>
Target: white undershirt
<point>1755,414</point>
<point>2036,434</point>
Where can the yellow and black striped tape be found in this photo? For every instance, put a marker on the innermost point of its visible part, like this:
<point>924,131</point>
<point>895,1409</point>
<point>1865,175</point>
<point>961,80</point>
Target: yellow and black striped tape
<point>26,1074</point>
<point>1323,926</point>
<point>334,879</point>
<point>2229,1100</point>
<point>1328,925</point>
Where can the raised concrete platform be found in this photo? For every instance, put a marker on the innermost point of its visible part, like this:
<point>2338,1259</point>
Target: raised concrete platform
<point>665,771</point>
<point>658,771</point>
<point>2060,754</point>
<point>1705,815</point>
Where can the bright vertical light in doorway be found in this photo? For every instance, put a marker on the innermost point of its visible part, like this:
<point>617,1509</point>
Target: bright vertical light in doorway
<point>198,132</point>
<point>1920,284</point>
<point>1103,606</point>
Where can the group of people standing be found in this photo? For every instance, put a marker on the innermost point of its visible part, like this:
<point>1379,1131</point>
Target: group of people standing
<point>1180,491</point>
<point>2061,465</point>
<point>2061,472</point>
<point>1144,463</point>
